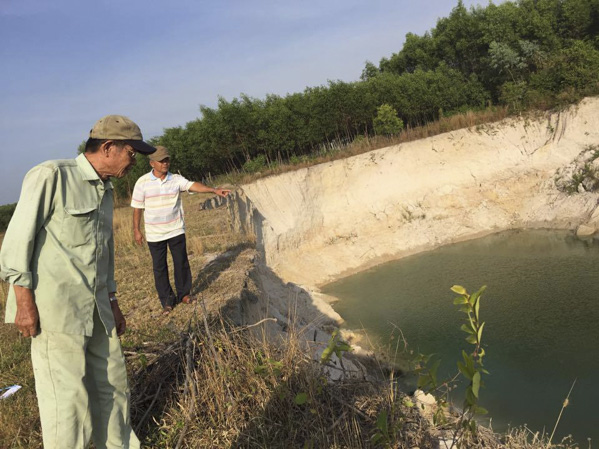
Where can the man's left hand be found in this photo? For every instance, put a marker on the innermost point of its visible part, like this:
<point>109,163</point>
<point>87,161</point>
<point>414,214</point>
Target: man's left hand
<point>119,319</point>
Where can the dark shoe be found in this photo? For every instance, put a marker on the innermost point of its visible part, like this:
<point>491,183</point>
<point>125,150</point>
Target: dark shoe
<point>188,299</point>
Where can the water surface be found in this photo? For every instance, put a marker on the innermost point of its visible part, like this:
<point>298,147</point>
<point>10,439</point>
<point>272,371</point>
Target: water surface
<point>541,310</point>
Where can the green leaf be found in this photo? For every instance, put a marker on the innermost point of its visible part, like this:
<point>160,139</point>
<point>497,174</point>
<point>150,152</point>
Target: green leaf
<point>334,346</point>
<point>345,346</point>
<point>470,398</point>
<point>406,402</point>
<point>465,309</point>
<point>458,289</point>
<point>464,370</point>
<point>472,325</point>
<point>326,354</point>
<point>481,290</point>
<point>473,427</point>
<point>480,331</point>
<point>480,411</point>
<point>340,348</point>
<point>465,356</point>
<point>471,339</point>
<point>467,329</point>
<point>460,300</point>
<point>469,363</point>
<point>424,382</point>
<point>476,383</point>
<point>301,398</point>
<point>381,422</point>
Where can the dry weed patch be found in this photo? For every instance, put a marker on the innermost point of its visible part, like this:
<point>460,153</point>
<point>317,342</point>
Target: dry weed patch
<point>236,389</point>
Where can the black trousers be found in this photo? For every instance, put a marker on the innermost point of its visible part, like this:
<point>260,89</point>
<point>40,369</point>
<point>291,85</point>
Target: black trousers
<point>178,248</point>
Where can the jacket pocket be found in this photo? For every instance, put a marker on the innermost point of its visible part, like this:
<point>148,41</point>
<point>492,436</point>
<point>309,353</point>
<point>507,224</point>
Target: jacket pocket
<point>78,225</point>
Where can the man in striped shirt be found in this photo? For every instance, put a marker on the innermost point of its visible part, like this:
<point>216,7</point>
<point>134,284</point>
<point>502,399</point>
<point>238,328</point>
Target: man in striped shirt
<point>157,193</point>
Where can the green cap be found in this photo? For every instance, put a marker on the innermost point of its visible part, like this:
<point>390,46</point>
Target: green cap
<point>119,127</point>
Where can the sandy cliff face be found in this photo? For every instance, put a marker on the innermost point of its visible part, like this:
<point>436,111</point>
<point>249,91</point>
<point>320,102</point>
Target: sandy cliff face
<point>321,222</point>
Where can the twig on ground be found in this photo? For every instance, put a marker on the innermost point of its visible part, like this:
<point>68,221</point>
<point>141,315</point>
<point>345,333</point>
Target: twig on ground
<point>564,405</point>
<point>190,387</point>
<point>336,423</point>
<point>143,418</point>
<point>354,408</point>
<point>252,325</point>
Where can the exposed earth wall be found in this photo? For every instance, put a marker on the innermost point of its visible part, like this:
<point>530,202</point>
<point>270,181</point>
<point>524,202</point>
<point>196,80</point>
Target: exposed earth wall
<point>322,222</point>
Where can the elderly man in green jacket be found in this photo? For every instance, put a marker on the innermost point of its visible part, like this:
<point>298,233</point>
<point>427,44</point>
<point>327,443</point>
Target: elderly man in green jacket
<point>58,254</point>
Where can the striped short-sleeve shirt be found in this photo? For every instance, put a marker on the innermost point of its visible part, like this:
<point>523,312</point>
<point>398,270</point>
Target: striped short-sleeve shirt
<point>161,201</point>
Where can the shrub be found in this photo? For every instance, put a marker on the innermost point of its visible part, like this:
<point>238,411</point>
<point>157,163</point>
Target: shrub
<point>386,122</point>
<point>255,165</point>
<point>6,212</point>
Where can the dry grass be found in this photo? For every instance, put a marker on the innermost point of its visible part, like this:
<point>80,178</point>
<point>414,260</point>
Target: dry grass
<point>236,390</point>
<point>209,233</point>
<point>18,416</point>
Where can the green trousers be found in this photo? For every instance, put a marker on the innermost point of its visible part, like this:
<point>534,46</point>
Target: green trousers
<point>82,390</point>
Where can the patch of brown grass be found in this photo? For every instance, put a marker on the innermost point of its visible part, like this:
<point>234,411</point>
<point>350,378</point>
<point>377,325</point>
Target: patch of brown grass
<point>19,416</point>
<point>235,389</point>
<point>208,231</point>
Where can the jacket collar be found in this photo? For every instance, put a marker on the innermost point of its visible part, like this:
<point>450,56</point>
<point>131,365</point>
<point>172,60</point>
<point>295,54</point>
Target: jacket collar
<point>87,171</point>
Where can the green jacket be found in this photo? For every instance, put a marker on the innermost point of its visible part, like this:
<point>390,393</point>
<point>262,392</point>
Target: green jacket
<point>60,244</point>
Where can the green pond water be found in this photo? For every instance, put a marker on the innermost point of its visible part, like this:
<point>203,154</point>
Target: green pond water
<point>541,309</point>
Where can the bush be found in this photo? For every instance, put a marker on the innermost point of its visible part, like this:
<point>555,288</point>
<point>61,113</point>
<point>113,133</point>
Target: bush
<point>574,67</point>
<point>514,95</point>
<point>295,160</point>
<point>386,122</point>
<point>6,212</point>
<point>255,165</point>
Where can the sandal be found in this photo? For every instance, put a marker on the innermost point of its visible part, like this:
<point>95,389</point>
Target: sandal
<point>187,299</point>
<point>166,310</point>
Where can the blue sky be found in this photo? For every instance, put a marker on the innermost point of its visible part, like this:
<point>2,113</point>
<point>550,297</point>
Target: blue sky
<point>66,63</point>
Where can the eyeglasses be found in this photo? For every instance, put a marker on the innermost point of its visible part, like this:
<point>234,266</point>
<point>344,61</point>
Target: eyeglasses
<point>132,153</point>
